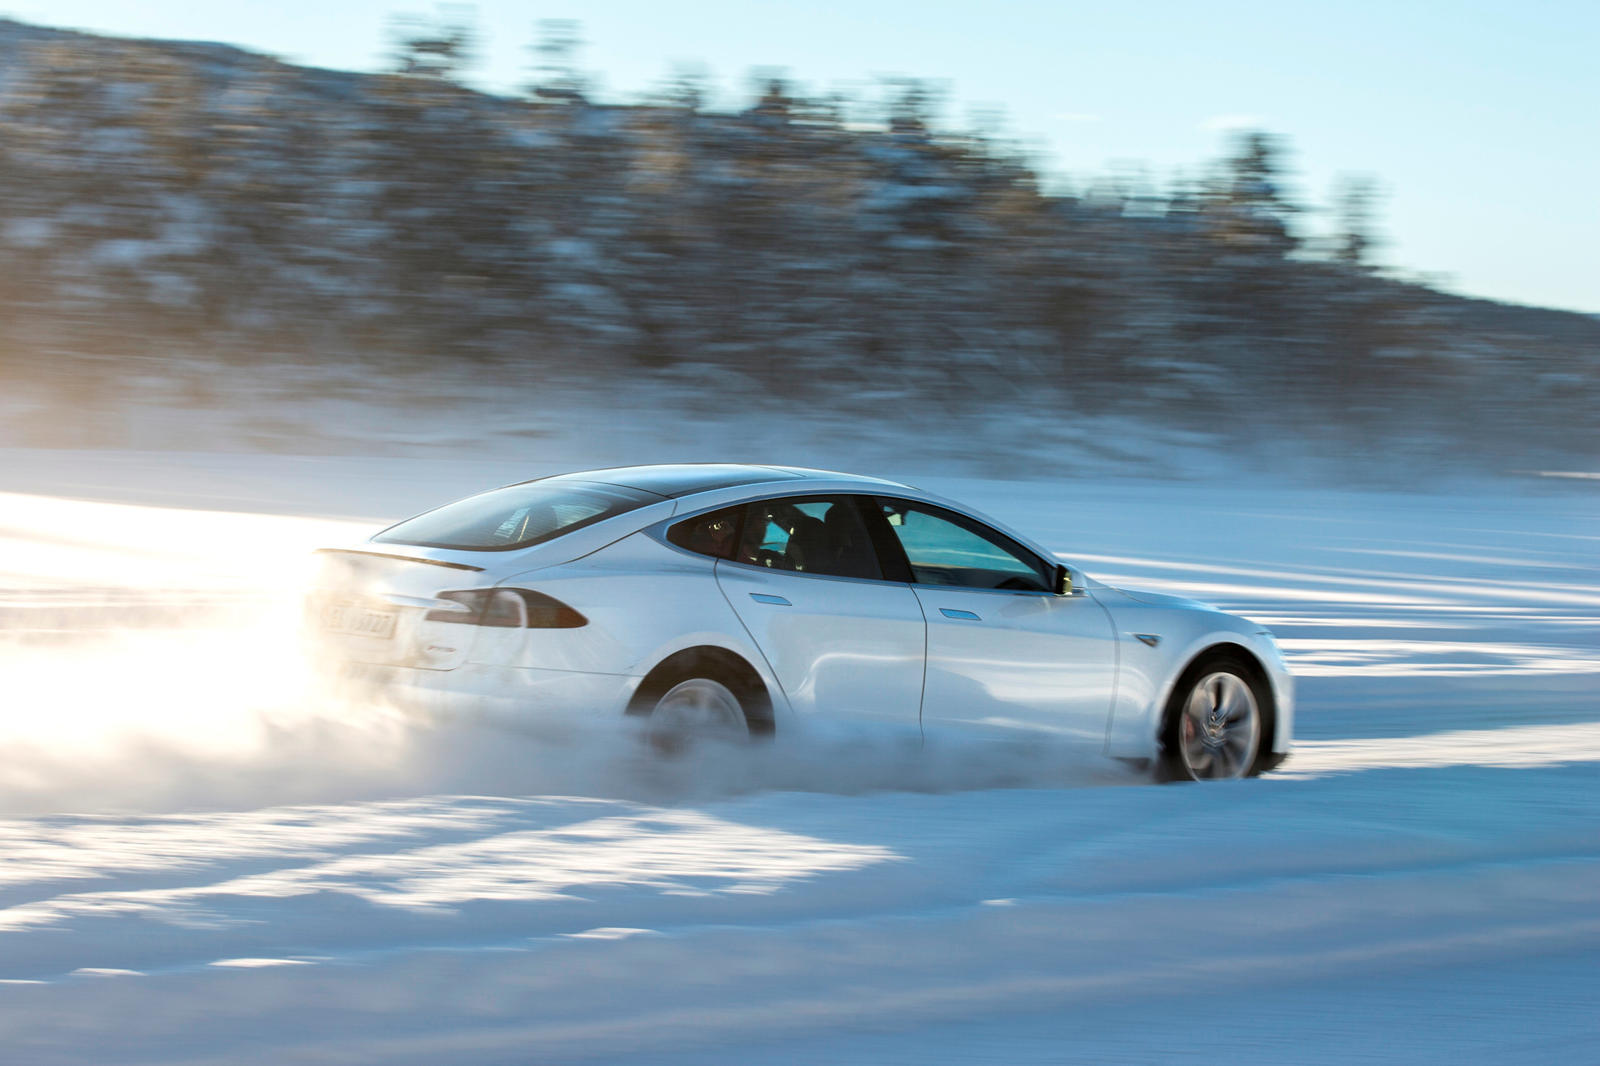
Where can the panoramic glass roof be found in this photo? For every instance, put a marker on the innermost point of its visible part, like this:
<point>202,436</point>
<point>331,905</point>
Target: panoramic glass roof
<point>681,479</point>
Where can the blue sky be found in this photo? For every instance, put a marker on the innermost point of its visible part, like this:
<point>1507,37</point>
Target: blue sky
<point>1481,120</point>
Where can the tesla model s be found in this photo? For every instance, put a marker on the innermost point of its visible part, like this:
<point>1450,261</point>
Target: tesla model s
<point>736,600</point>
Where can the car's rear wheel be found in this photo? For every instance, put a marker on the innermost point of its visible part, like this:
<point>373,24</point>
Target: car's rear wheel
<point>1215,724</point>
<point>701,694</point>
<point>694,711</point>
<point>701,706</point>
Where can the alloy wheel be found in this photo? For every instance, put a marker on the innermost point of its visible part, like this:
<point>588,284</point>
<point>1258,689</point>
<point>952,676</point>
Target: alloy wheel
<point>1220,728</point>
<point>697,709</point>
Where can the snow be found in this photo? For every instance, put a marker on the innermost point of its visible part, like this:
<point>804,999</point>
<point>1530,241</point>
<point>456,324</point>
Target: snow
<point>203,859</point>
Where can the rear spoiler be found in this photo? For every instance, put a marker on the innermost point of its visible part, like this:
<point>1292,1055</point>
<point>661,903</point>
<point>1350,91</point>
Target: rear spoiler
<point>402,558</point>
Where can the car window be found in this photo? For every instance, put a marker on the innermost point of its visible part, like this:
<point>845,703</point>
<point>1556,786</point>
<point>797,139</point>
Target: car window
<point>944,548</point>
<point>715,534</point>
<point>814,535</point>
<point>516,516</point>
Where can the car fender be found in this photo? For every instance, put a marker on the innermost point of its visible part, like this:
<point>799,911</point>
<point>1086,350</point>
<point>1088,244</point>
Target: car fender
<point>644,601</point>
<point>1147,672</point>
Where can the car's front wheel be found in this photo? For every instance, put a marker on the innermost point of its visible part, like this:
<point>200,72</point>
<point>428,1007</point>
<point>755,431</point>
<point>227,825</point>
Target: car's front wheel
<point>1215,723</point>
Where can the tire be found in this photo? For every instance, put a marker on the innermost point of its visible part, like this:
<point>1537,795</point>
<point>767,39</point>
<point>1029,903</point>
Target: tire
<point>697,700</point>
<point>708,679</point>
<point>1218,723</point>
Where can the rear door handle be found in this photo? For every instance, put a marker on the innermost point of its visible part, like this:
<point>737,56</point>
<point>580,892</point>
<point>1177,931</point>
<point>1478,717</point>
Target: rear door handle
<point>767,597</point>
<point>966,616</point>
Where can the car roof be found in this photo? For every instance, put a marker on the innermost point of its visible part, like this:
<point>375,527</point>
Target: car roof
<point>674,480</point>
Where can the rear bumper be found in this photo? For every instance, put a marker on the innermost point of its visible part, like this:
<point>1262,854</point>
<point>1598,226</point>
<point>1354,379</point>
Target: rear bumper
<point>514,692</point>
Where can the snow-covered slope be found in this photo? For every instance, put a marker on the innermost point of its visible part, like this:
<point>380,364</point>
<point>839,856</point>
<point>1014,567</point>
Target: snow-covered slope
<point>246,873</point>
<point>245,243</point>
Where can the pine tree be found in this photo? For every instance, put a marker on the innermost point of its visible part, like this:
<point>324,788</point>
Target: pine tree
<point>556,77</point>
<point>1355,199</point>
<point>1245,202</point>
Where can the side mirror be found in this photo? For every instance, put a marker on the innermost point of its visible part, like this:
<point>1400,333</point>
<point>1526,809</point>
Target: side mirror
<point>1063,581</point>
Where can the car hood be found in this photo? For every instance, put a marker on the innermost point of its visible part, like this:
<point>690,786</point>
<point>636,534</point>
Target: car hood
<point>1162,599</point>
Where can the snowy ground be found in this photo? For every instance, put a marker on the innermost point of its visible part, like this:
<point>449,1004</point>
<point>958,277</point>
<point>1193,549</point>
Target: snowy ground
<point>203,861</point>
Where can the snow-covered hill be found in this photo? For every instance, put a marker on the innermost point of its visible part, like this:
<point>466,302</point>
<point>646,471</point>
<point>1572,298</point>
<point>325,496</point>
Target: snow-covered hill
<point>181,220</point>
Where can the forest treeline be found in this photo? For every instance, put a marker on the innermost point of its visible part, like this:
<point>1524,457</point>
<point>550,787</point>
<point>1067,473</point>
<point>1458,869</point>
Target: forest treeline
<point>174,200</point>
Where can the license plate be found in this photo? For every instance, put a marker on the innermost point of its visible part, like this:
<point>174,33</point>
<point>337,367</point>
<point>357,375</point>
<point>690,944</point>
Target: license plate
<point>358,620</point>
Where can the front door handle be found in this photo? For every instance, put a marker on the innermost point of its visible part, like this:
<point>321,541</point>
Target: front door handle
<point>767,597</point>
<point>966,616</point>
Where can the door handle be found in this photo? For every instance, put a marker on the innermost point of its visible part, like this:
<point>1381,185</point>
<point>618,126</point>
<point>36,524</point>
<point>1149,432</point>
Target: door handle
<point>767,597</point>
<point>967,616</point>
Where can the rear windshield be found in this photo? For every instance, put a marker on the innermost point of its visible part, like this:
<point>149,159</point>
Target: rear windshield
<point>516,516</point>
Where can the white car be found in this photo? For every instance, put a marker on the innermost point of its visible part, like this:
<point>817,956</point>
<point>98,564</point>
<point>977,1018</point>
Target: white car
<point>739,599</point>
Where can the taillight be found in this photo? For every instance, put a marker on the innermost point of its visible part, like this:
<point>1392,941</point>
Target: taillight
<point>506,609</point>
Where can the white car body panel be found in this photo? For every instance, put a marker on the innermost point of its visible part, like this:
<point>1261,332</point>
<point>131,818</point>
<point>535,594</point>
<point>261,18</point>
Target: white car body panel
<point>1074,666</point>
<point>521,694</point>
<point>645,601</point>
<point>1027,659</point>
<point>1146,675</point>
<point>835,644</point>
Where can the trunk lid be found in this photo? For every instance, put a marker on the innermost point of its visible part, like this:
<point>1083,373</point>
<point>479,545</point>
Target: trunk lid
<point>373,607</point>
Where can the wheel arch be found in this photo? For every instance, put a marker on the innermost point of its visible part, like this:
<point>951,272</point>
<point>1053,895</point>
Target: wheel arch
<point>718,664</point>
<point>1219,651</point>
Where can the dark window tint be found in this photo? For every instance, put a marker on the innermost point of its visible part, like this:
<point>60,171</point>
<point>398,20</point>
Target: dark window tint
<point>817,535</point>
<point>516,516</point>
<point>945,548</point>
<point>715,534</point>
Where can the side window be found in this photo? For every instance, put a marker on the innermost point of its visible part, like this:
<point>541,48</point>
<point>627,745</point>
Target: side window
<point>714,534</point>
<point>949,549</point>
<point>816,535</point>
